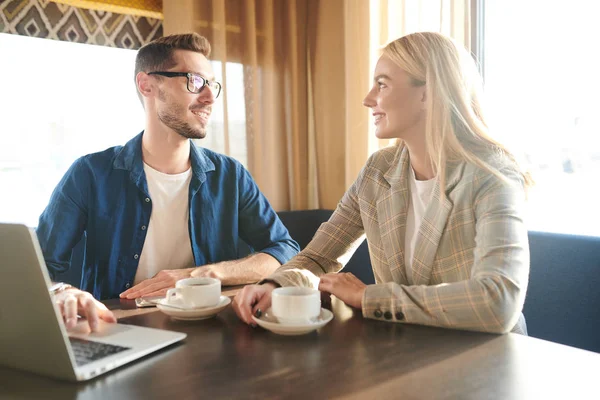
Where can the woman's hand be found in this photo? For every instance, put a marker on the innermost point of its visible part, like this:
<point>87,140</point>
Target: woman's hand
<point>253,300</point>
<point>345,286</point>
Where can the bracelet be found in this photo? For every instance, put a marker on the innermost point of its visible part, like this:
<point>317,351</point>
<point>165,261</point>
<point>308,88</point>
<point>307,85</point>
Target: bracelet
<point>59,287</point>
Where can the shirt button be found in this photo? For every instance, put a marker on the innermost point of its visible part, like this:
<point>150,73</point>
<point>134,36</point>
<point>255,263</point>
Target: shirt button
<point>400,316</point>
<point>127,285</point>
<point>378,313</point>
<point>136,256</point>
<point>387,315</point>
<point>147,200</point>
<point>143,227</point>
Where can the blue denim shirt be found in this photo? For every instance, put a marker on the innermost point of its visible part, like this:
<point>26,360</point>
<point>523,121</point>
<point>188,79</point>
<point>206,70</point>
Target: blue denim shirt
<point>105,196</point>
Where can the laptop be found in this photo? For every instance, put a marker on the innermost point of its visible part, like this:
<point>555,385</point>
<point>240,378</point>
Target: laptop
<point>33,336</point>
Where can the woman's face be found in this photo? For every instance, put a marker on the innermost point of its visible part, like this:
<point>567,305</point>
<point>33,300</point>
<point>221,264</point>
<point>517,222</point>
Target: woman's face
<point>397,104</point>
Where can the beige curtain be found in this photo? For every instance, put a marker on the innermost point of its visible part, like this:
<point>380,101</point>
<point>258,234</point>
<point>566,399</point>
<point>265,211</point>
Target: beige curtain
<point>304,64</point>
<point>338,49</point>
<point>307,65</point>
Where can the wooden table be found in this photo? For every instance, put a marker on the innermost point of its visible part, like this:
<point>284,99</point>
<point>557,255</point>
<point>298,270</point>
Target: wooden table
<point>351,357</point>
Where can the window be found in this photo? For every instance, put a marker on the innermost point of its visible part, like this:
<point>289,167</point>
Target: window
<point>59,101</point>
<point>541,82</point>
<point>62,100</point>
<point>236,114</point>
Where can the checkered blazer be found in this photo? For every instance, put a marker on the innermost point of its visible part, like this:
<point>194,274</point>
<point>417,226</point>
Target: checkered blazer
<point>471,261</point>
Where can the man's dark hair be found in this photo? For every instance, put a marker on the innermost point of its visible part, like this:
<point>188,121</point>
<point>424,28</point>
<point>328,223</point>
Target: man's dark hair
<point>158,54</point>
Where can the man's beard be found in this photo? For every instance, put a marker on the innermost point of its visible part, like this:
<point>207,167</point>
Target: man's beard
<point>170,118</point>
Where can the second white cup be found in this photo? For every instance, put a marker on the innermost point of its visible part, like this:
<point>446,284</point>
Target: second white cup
<point>295,305</point>
<point>195,293</point>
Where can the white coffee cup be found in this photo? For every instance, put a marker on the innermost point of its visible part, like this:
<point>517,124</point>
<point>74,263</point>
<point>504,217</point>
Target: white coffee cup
<point>295,305</point>
<point>195,293</point>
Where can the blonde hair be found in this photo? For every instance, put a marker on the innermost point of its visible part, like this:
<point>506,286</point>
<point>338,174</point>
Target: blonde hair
<point>455,126</point>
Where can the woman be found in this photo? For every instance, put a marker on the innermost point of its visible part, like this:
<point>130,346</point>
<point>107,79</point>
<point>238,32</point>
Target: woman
<point>442,210</point>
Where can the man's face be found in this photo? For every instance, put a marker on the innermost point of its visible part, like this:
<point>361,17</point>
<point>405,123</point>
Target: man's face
<point>184,112</point>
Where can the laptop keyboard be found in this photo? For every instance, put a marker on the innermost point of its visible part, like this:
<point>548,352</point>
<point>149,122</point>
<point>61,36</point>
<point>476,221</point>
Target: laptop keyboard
<point>87,351</point>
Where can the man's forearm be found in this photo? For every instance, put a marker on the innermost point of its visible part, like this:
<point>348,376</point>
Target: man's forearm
<point>247,270</point>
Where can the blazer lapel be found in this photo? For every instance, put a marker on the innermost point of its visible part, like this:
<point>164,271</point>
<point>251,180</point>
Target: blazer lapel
<point>432,228</point>
<point>391,213</point>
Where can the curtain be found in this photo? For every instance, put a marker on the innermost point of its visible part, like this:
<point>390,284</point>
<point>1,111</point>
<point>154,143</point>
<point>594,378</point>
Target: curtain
<point>303,64</point>
<point>395,18</point>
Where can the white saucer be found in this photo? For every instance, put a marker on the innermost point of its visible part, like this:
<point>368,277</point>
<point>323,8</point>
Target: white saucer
<point>269,322</point>
<point>193,314</point>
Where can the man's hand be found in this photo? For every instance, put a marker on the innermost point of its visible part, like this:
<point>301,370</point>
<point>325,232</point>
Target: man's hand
<point>74,301</point>
<point>345,286</point>
<point>158,284</point>
<point>253,300</point>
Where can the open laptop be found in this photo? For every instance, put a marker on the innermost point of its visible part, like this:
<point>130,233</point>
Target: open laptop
<point>33,336</point>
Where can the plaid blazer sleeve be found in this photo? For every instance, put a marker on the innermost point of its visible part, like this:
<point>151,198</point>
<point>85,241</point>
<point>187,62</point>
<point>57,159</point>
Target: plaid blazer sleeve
<point>332,246</point>
<point>492,296</point>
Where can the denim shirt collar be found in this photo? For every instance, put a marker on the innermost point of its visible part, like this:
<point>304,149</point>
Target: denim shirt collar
<point>130,159</point>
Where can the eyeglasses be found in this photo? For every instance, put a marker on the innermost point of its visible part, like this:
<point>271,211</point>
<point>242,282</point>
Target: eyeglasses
<point>195,82</point>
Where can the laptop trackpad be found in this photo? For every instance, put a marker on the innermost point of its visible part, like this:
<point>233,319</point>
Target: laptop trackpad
<point>105,329</point>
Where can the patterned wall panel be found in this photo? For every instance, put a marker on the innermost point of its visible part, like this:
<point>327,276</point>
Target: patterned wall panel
<point>144,8</point>
<point>47,19</point>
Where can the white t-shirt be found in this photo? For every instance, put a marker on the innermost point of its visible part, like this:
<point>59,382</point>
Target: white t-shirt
<point>420,197</point>
<point>167,244</point>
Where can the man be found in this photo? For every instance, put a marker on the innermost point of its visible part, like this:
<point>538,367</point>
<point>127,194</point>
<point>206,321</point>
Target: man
<point>159,209</point>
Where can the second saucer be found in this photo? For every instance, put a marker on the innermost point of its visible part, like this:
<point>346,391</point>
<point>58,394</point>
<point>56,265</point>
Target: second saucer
<point>269,322</point>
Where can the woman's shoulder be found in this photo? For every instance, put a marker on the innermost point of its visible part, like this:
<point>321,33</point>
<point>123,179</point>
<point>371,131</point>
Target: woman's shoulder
<point>496,169</point>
